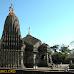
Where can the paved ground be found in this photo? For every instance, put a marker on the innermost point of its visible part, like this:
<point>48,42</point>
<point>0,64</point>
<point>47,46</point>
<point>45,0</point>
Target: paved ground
<point>48,69</point>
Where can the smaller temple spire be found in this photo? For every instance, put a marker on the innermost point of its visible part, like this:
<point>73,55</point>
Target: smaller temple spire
<point>29,31</point>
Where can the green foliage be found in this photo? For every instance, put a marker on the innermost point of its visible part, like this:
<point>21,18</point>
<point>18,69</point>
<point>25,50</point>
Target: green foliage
<point>65,49</point>
<point>54,48</point>
<point>71,66</point>
<point>59,57</point>
<point>71,55</point>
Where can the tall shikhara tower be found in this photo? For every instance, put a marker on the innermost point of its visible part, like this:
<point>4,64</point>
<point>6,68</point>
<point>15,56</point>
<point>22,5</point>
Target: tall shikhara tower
<point>12,47</point>
<point>11,38</point>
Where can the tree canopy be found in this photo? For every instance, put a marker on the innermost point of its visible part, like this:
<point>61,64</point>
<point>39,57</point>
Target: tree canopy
<point>62,54</point>
<point>55,48</point>
<point>59,57</point>
<point>65,49</point>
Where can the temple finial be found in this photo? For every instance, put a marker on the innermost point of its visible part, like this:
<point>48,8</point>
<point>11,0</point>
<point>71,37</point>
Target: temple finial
<point>11,7</point>
<point>29,31</point>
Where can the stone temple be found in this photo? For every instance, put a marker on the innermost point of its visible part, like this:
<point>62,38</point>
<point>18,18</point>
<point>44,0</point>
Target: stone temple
<point>17,52</point>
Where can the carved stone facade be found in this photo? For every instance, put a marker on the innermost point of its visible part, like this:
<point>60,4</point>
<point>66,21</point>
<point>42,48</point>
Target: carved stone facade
<point>36,53</point>
<point>12,47</point>
<point>16,52</point>
<point>44,53</point>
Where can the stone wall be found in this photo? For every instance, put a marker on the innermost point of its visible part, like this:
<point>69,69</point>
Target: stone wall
<point>10,58</point>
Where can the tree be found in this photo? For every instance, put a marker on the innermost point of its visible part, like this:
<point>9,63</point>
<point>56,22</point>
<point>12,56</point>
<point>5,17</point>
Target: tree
<point>55,48</point>
<point>59,57</point>
<point>65,49</point>
<point>71,55</point>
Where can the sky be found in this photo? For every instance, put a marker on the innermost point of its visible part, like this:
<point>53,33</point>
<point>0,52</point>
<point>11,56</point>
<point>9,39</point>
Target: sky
<point>51,21</point>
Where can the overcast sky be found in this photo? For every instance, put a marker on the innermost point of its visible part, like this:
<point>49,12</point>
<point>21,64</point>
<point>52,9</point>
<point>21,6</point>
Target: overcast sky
<point>51,21</point>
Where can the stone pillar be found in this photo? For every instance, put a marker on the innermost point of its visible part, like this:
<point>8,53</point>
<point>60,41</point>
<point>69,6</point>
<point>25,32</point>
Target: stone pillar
<point>22,51</point>
<point>22,65</point>
<point>50,59</point>
<point>47,59</point>
<point>11,59</point>
<point>34,61</point>
<point>18,58</point>
<point>3,58</point>
<point>15,59</point>
<point>6,58</point>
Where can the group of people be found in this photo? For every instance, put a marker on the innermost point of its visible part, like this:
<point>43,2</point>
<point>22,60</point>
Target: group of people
<point>66,69</point>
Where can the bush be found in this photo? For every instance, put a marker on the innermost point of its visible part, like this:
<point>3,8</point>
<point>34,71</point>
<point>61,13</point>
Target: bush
<point>71,66</point>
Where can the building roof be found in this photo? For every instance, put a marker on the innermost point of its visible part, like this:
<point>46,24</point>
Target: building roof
<point>44,44</point>
<point>44,47</point>
<point>30,40</point>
